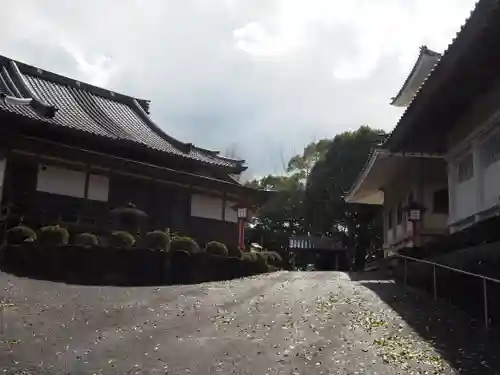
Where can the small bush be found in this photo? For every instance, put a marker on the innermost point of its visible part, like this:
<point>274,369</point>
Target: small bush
<point>20,234</point>
<point>158,240</point>
<point>216,248</point>
<point>255,264</point>
<point>250,257</point>
<point>53,235</point>
<point>185,244</point>
<point>121,239</point>
<point>271,257</point>
<point>234,252</point>
<point>86,240</point>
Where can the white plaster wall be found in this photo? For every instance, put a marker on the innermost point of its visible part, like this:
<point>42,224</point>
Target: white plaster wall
<point>465,199</point>
<point>98,188</point>
<point>62,181</point>
<point>231,214</point>
<point>491,185</point>
<point>423,187</point>
<point>2,175</point>
<point>389,236</point>
<point>433,221</point>
<point>206,207</point>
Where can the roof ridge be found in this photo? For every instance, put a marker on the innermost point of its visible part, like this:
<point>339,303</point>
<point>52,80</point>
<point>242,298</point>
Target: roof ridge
<point>475,15</point>
<point>32,70</point>
<point>217,154</point>
<point>24,73</point>
<point>424,50</point>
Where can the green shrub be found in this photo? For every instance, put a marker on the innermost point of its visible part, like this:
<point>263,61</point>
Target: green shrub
<point>185,244</point>
<point>234,252</point>
<point>86,240</point>
<point>271,257</point>
<point>157,240</point>
<point>250,257</point>
<point>255,263</point>
<point>216,248</point>
<point>20,234</point>
<point>53,235</point>
<point>121,239</point>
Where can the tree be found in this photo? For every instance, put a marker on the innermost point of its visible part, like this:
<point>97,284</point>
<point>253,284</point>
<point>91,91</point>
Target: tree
<point>302,164</point>
<point>283,215</point>
<point>330,179</point>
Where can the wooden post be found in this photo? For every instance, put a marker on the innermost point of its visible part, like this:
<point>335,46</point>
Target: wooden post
<point>241,233</point>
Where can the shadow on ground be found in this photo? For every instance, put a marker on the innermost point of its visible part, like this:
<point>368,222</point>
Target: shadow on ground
<point>459,338</point>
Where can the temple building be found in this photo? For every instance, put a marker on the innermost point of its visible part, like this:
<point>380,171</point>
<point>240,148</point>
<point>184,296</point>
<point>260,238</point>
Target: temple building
<point>397,179</point>
<point>70,152</point>
<point>446,145</point>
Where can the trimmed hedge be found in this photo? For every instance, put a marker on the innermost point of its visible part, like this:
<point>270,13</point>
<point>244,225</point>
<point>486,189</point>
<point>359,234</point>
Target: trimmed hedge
<point>112,265</point>
<point>271,257</point>
<point>157,240</point>
<point>234,252</point>
<point>86,240</point>
<point>20,234</point>
<point>121,239</point>
<point>185,243</point>
<point>53,235</point>
<point>216,248</point>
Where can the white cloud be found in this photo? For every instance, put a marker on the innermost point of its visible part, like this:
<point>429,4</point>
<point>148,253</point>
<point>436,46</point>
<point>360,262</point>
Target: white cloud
<point>379,28</point>
<point>262,77</point>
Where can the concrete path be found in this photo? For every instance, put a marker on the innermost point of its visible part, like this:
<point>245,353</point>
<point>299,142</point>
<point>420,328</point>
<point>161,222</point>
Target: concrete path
<point>283,323</point>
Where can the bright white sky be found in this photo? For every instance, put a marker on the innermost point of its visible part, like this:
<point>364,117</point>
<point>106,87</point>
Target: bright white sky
<point>259,77</point>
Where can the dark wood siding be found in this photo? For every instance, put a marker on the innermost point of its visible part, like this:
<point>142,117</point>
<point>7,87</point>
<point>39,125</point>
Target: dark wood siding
<point>205,230</point>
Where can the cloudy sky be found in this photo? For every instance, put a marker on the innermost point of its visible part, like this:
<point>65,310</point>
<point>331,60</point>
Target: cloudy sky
<point>259,78</point>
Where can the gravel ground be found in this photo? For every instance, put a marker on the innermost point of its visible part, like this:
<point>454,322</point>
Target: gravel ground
<point>282,323</point>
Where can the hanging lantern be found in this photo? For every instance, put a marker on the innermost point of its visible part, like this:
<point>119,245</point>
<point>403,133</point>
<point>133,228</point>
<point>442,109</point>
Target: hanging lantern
<point>415,211</point>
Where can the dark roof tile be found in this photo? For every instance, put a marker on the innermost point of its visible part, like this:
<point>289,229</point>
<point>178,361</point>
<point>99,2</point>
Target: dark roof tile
<point>94,110</point>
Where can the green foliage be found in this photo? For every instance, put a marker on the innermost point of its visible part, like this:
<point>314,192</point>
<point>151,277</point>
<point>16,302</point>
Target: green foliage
<point>158,240</point>
<point>325,209</point>
<point>121,239</point>
<point>216,248</point>
<point>86,240</point>
<point>250,256</point>
<point>234,252</point>
<point>309,198</point>
<point>185,243</point>
<point>20,234</point>
<point>271,257</point>
<point>256,263</point>
<point>53,235</point>
<point>283,214</point>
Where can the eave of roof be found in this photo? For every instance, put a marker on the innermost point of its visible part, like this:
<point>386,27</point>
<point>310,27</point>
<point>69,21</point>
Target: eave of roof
<point>421,69</point>
<point>105,113</point>
<point>370,162</point>
<point>373,195</point>
<point>483,19</point>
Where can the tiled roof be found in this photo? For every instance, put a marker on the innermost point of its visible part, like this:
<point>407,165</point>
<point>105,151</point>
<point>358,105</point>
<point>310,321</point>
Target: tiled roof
<point>484,15</point>
<point>421,69</point>
<point>94,110</point>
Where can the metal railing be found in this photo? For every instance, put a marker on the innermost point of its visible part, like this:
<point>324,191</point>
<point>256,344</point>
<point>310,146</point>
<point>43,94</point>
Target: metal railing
<point>434,281</point>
